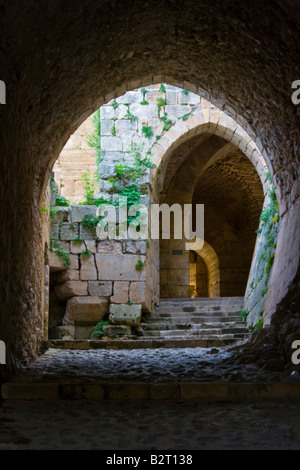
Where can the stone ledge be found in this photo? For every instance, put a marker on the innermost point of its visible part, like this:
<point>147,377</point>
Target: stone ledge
<point>227,391</point>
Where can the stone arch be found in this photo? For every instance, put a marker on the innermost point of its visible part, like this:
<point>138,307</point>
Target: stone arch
<point>212,121</point>
<point>211,260</point>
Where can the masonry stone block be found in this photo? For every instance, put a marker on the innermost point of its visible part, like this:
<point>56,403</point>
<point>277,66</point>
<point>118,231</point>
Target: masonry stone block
<point>69,289</point>
<point>125,314</point>
<point>88,271</point>
<point>120,267</point>
<point>55,262</point>
<point>137,293</point>
<point>78,212</point>
<point>69,231</point>
<point>85,309</point>
<point>100,288</point>
<point>121,291</point>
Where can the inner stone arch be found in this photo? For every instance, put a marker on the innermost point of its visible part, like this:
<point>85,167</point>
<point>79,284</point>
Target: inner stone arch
<point>193,148</point>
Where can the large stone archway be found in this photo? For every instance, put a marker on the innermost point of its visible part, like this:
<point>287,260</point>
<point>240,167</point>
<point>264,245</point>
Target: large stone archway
<point>61,63</point>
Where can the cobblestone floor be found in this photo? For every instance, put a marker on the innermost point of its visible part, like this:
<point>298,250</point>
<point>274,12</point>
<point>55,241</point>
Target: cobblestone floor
<point>148,425</point>
<point>155,365</point>
<point>268,424</point>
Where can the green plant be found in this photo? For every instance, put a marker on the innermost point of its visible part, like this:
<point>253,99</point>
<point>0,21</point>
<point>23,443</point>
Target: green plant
<point>94,139</point>
<point>56,248</point>
<point>167,124</point>
<point>185,116</point>
<point>98,330</point>
<point>90,221</point>
<point>113,130</point>
<point>61,200</point>
<point>259,324</point>
<point>86,253</point>
<point>130,116</point>
<point>114,104</point>
<point>147,131</point>
<point>43,210</point>
<point>160,103</point>
<point>144,101</point>
<point>244,314</point>
<point>186,92</point>
<point>77,241</point>
<point>139,265</point>
<point>53,212</point>
<point>162,88</point>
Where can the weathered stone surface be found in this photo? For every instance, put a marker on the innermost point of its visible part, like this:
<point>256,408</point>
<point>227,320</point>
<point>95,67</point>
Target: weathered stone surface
<point>106,247</point>
<point>77,213</point>
<point>65,332</point>
<point>68,275</point>
<point>68,231</point>
<point>116,330</point>
<point>137,293</point>
<point>119,267</point>
<point>121,290</point>
<point>61,214</point>
<point>76,247</point>
<point>136,247</point>
<point>56,263</point>
<point>125,314</point>
<point>85,309</point>
<point>70,289</point>
<point>100,288</point>
<point>88,271</point>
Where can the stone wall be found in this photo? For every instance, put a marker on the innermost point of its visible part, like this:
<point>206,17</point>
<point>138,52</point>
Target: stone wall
<point>76,159</point>
<point>91,278</point>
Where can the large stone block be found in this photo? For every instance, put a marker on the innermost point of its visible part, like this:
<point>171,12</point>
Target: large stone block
<point>137,293</point>
<point>88,271</point>
<point>100,288</point>
<point>65,332</point>
<point>56,263</point>
<point>109,247</point>
<point>123,314</point>
<point>68,231</point>
<point>121,290</point>
<point>138,247</point>
<point>116,330</point>
<point>85,309</point>
<point>68,275</point>
<point>78,212</point>
<point>120,267</point>
<point>70,289</point>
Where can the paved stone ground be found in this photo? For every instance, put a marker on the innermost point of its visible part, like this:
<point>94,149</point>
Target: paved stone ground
<point>145,365</point>
<point>148,425</point>
<point>268,424</point>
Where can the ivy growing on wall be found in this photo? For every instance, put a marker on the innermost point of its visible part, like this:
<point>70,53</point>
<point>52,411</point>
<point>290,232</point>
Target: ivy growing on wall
<point>269,225</point>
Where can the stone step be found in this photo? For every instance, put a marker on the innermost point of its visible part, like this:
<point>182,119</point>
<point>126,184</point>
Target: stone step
<point>196,331</point>
<point>189,325</point>
<point>174,334</point>
<point>192,319</point>
<point>138,343</point>
<point>204,300</point>
<point>204,310</point>
<point>177,390</point>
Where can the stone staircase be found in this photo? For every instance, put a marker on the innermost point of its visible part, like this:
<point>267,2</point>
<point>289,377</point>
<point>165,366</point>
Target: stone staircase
<point>203,321</point>
<point>178,323</point>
